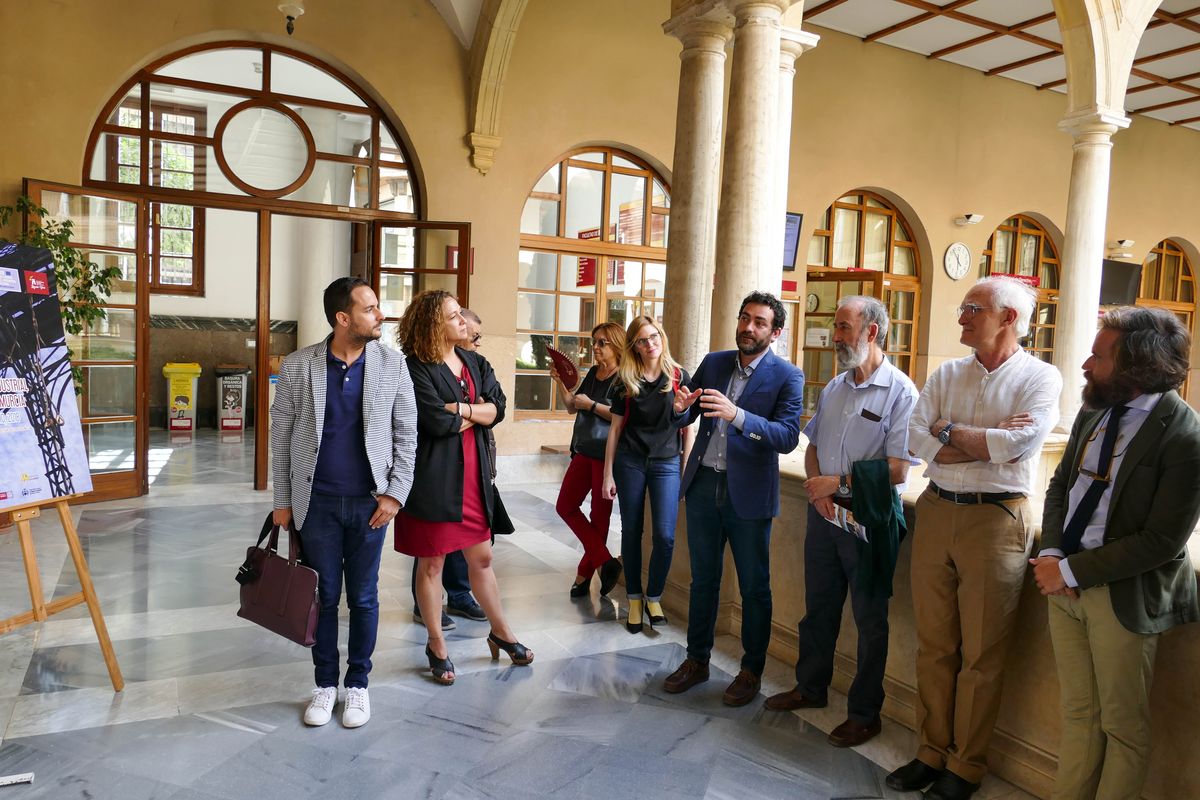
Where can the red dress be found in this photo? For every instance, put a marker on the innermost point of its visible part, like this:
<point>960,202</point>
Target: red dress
<point>424,538</point>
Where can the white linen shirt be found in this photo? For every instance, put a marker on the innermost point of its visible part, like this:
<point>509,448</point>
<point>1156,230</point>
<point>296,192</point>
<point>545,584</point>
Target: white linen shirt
<point>859,422</point>
<point>964,392</point>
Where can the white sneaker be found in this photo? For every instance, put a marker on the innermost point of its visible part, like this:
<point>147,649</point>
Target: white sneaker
<point>320,710</point>
<point>357,708</point>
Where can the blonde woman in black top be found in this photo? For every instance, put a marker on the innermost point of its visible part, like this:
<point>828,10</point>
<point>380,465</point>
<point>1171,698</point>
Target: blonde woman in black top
<point>643,456</point>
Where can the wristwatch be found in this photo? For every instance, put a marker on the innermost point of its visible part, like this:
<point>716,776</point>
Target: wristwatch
<point>944,433</point>
<point>843,489</point>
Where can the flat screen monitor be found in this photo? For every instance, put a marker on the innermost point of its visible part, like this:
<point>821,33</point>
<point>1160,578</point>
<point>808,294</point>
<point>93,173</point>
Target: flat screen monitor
<point>1119,283</point>
<point>791,240</point>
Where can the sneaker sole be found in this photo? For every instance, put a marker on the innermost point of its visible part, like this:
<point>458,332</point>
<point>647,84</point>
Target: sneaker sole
<point>458,612</point>
<point>451,626</point>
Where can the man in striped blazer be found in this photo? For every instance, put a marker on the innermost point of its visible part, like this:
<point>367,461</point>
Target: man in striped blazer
<point>343,443</point>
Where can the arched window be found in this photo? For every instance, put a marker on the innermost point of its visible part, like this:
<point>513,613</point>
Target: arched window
<point>1021,247</point>
<point>862,245</point>
<point>593,248</point>
<point>1168,282</point>
<point>242,120</point>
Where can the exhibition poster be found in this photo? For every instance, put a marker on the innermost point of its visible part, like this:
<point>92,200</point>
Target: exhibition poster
<point>42,453</point>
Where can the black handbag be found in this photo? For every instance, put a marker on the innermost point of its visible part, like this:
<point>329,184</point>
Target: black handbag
<point>590,435</point>
<point>502,524</point>
<point>278,593</point>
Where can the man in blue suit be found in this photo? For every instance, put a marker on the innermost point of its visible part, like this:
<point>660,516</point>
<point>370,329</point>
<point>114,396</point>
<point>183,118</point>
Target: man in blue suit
<point>751,402</point>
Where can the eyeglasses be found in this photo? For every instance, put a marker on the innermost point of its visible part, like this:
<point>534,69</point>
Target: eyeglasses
<point>600,342</point>
<point>653,338</point>
<point>477,338</point>
<point>971,309</point>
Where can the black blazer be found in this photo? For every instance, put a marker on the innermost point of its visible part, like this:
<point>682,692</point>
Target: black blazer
<point>437,492</point>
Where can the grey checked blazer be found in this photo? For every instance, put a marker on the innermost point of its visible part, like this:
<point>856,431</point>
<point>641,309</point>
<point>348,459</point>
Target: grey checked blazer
<point>298,419</point>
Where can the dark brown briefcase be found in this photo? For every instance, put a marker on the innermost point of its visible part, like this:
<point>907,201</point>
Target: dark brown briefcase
<point>279,593</point>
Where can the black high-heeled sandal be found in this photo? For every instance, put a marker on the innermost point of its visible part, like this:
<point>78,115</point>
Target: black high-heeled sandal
<point>580,589</point>
<point>440,667</point>
<point>519,653</point>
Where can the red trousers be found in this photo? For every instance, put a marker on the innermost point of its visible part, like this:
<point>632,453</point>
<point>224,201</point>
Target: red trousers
<point>586,475</point>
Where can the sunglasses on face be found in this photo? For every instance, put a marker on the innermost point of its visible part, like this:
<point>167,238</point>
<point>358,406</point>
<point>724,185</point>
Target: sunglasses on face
<point>599,342</point>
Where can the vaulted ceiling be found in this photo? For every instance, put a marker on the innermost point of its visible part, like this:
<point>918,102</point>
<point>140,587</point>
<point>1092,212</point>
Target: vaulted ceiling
<point>1020,40</point>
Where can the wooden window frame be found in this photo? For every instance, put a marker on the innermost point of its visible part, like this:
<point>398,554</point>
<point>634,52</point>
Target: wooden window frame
<point>141,82</point>
<point>884,287</point>
<point>604,249</point>
<point>153,172</point>
<point>1023,225</point>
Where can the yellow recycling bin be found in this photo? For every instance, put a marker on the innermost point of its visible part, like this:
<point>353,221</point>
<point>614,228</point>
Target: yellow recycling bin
<point>181,395</point>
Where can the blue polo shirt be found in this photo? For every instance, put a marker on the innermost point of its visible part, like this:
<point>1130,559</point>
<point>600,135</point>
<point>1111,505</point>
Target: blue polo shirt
<point>342,465</point>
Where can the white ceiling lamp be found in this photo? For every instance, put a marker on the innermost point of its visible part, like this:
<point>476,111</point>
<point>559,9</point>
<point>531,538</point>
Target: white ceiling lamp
<point>292,11</point>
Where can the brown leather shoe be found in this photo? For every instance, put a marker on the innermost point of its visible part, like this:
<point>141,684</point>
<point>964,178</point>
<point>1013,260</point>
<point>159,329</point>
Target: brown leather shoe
<point>743,689</point>
<point>790,701</point>
<point>851,733</point>
<point>690,673</point>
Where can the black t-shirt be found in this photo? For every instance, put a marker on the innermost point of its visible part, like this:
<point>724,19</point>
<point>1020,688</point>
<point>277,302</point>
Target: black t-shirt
<point>648,430</point>
<point>591,430</point>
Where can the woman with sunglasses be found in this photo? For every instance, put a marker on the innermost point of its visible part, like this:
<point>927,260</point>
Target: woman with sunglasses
<point>643,455</point>
<point>451,505</point>
<point>590,404</point>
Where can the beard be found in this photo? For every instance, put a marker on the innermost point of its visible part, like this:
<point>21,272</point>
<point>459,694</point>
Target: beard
<point>366,335</point>
<point>748,345</point>
<point>851,356</point>
<point>1106,394</point>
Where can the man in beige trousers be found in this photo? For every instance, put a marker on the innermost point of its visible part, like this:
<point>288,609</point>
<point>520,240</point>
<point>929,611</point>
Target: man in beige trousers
<point>979,423</point>
<point>1114,559</point>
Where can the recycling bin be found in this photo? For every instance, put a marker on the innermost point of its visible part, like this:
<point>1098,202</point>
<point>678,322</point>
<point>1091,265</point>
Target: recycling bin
<point>231,396</point>
<point>181,394</point>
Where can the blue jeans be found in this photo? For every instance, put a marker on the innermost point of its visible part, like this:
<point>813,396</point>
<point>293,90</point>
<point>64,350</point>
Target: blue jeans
<point>634,476</point>
<point>711,523</point>
<point>338,541</point>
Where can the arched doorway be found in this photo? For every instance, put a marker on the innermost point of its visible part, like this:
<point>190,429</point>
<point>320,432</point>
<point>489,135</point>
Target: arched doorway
<point>1169,283</point>
<point>862,245</point>
<point>205,167</point>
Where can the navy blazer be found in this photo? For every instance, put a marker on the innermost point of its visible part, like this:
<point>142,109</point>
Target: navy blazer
<point>773,401</point>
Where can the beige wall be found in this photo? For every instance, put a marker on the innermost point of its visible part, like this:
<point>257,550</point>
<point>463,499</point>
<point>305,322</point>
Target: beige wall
<point>938,138</point>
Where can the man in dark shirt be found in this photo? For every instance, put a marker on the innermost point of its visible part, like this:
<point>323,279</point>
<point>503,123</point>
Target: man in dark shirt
<point>343,441</point>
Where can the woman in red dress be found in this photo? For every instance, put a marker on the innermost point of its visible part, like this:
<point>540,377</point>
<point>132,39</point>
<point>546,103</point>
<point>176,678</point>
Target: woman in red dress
<point>451,503</point>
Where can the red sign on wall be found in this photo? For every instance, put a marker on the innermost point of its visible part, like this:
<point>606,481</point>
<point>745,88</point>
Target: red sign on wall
<point>586,273</point>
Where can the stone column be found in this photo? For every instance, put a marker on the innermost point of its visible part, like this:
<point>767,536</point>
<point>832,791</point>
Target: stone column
<point>694,183</point>
<point>791,45</point>
<point>748,177</point>
<point>1083,250</point>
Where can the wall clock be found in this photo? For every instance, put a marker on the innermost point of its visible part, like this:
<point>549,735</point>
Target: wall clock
<point>957,260</point>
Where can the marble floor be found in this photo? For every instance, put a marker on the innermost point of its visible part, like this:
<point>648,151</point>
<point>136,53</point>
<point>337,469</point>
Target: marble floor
<point>212,704</point>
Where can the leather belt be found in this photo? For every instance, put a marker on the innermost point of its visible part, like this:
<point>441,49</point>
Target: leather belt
<point>977,498</point>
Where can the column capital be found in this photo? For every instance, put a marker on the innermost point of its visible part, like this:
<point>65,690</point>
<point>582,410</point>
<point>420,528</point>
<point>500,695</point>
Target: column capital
<point>746,9</point>
<point>705,32</point>
<point>793,43</point>
<point>1093,122</point>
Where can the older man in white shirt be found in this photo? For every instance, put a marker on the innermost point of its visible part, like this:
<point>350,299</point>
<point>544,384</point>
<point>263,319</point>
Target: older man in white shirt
<point>979,424</point>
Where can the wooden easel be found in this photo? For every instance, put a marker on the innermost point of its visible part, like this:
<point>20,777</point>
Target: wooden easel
<point>41,609</point>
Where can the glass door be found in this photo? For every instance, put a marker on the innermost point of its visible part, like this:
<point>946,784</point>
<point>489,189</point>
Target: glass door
<point>411,257</point>
<point>110,229</point>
